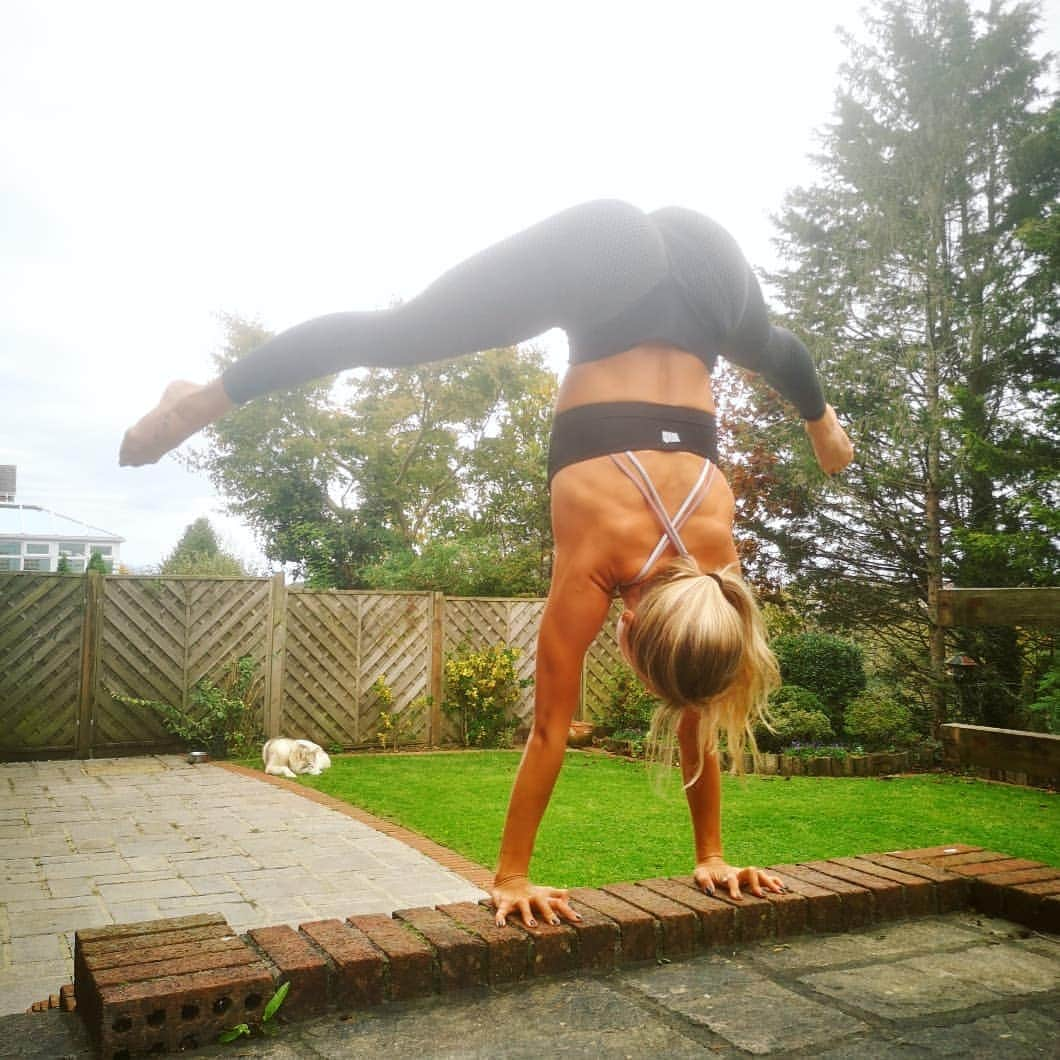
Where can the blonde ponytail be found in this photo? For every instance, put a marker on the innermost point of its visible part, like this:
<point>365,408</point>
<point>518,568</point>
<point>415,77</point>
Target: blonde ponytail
<point>699,642</point>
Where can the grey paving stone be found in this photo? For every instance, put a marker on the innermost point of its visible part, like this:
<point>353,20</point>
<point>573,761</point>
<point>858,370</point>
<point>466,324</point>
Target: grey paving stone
<point>30,948</point>
<point>743,1006</point>
<point>71,886</point>
<point>141,890</point>
<point>44,1036</point>
<point>1006,970</point>
<point>580,1018</point>
<point>900,990</point>
<point>21,892</point>
<point>882,942</point>
<point>1012,1035</point>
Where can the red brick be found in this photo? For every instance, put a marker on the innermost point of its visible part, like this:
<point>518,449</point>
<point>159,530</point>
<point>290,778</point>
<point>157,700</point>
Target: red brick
<point>358,969</point>
<point>553,949</point>
<point>175,1013</point>
<point>136,953</point>
<point>919,894</point>
<point>508,950</point>
<point>299,964</point>
<point>116,932</point>
<point>790,912</point>
<point>952,892</point>
<point>123,941</point>
<point>462,957</point>
<point>754,916</point>
<point>855,903</point>
<point>920,854</point>
<point>598,940</point>
<point>888,899</point>
<point>1028,872</point>
<point>954,862</point>
<point>235,953</point>
<point>717,920</point>
<point>677,923</point>
<point>636,928</point>
<point>67,998</point>
<point>411,960</point>
<point>823,908</point>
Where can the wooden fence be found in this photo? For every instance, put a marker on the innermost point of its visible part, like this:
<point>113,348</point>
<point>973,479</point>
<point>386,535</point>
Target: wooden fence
<point>67,642</point>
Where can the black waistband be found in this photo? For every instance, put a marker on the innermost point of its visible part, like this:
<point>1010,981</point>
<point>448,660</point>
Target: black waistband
<point>589,431</point>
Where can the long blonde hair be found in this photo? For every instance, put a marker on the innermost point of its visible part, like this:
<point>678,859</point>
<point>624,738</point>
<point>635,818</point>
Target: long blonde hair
<point>699,642</point>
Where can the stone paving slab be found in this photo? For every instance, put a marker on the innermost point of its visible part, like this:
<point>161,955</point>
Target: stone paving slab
<point>121,840</point>
<point>766,999</point>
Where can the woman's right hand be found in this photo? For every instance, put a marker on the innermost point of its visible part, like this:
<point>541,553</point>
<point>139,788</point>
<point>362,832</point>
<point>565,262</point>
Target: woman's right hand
<point>831,445</point>
<point>518,896</point>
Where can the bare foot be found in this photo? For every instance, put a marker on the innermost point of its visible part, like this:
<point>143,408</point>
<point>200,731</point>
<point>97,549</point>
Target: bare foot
<point>831,445</point>
<point>185,408</point>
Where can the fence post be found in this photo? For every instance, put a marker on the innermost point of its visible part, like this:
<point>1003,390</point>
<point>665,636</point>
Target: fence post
<point>91,623</point>
<point>275,656</point>
<point>436,689</point>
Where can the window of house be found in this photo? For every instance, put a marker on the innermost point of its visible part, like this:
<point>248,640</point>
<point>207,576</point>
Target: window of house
<point>9,548</point>
<point>72,548</point>
<point>9,563</point>
<point>37,548</point>
<point>41,563</point>
<point>77,566</point>
<point>103,550</point>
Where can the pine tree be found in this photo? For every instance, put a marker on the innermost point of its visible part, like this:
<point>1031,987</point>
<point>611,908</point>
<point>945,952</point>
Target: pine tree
<point>916,265</point>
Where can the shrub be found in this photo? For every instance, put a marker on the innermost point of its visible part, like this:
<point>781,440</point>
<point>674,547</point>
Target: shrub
<point>877,720</point>
<point>828,665</point>
<point>1043,715</point>
<point>220,715</point>
<point>482,691</point>
<point>629,705</point>
<point>796,715</point>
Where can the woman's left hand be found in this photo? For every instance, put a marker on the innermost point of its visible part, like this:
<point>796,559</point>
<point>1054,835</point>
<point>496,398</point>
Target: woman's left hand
<point>716,872</point>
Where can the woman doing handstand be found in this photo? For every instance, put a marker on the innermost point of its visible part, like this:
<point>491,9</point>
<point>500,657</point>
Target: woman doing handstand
<point>648,302</point>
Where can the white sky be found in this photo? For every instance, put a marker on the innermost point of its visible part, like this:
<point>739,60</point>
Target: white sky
<point>162,162</point>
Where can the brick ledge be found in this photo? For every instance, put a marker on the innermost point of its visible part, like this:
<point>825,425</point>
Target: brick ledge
<point>172,984</point>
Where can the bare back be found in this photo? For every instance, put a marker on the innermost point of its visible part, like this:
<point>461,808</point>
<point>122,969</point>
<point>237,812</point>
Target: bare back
<point>602,527</point>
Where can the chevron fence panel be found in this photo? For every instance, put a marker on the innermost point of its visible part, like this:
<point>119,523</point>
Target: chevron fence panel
<point>154,638</point>
<point>395,645</point>
<point>162,635</point>
<point>601,660</point>
<point>40,661</point>
<point>321,683</point>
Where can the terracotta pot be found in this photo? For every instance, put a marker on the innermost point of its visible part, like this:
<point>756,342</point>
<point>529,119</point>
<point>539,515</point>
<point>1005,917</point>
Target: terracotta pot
<point>580,734</point>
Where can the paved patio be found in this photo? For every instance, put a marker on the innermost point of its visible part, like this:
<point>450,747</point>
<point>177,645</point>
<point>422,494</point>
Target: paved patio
<point>106,841</point>
<point>960,985</point>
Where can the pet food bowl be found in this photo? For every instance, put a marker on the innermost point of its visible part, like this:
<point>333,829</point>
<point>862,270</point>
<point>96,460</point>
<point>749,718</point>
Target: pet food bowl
<point>197,757</point>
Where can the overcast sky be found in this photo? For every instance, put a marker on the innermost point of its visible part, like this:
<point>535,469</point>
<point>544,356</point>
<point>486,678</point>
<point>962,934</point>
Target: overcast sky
<point>163,162</point>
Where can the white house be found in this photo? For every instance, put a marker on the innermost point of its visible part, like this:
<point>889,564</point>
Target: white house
<point>33,538</point>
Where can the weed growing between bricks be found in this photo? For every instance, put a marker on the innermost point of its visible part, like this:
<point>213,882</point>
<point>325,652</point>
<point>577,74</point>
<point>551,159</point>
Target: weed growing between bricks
<point>178,984</point>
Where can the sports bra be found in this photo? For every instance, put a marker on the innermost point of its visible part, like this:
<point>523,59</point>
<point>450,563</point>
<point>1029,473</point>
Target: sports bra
<point>635,471</point>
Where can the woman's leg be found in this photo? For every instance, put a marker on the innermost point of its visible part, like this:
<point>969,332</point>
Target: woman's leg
<point>579,267</point>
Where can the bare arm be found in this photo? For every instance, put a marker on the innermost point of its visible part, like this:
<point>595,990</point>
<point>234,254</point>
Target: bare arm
<point>575,611</point>
<point>704,804</point>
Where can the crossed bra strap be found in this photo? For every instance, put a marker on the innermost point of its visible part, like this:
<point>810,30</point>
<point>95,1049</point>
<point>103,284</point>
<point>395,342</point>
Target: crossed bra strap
<point>638,475</point>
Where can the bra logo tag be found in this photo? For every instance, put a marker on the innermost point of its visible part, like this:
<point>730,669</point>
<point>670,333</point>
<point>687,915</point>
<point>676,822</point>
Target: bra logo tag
<point>670,437</point>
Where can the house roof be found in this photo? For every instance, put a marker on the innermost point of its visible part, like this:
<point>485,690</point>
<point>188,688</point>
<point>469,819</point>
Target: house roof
<point>29,520</point>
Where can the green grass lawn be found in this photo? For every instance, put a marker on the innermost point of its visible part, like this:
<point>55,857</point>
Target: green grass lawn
<point>607,821</point>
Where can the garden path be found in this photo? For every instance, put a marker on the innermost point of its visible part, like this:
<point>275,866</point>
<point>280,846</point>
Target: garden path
<point>103,841</point>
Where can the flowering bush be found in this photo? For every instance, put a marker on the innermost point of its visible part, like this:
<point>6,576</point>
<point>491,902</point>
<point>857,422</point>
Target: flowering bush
<point>482,690</point>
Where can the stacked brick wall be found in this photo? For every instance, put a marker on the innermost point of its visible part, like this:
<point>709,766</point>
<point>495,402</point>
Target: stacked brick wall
<point>176,984</point>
